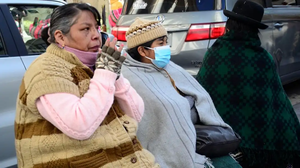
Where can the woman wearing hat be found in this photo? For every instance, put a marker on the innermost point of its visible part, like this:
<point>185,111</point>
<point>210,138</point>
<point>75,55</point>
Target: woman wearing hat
<point>174,100</point>
<point>242,80</point>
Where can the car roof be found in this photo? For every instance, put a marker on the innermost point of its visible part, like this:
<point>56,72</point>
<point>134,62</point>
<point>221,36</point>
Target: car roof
<point>34,2</point>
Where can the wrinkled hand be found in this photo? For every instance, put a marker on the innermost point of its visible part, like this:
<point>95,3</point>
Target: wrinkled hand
<point>110,57</point>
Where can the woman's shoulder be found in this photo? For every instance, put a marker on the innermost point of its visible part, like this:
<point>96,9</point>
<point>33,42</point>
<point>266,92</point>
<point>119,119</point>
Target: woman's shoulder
<point>133,75</point>
<point>44,60</point>
<point>174,65</point>
<point>36,64</point>
<point>48,66</point>
<point>174,69</point>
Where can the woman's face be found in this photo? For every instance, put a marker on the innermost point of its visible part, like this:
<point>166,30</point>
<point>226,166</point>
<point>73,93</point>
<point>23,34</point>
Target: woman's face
<point>83,35</point>
<point>144,52</point>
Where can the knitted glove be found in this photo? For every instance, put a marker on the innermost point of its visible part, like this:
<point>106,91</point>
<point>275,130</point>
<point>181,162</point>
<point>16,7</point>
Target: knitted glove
<point>110,59</point>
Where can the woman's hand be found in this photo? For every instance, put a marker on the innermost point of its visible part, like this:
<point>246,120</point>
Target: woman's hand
<point>110,57</point>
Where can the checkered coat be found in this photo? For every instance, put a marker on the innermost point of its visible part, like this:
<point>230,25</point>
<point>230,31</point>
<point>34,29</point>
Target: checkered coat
<point>242,79</point>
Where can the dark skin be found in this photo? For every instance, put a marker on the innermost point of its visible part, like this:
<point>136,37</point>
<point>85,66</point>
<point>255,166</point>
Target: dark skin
<point>84,35</point>
<point>144,52</point>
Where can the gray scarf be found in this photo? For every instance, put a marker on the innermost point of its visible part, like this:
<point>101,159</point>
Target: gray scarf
<point>167,129</point>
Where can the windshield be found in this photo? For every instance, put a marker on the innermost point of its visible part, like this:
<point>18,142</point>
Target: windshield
<point>170,6</point>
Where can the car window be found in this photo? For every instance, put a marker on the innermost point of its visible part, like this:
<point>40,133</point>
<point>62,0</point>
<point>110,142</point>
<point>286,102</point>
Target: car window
<point>30,21</point>
<point>2,46</point>
<point>170,6</point>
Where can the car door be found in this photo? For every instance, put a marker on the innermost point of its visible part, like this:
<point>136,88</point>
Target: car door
<point>286,34</point>
<point>11,73</point>
<point>266,35</point>
<point>22,38</point>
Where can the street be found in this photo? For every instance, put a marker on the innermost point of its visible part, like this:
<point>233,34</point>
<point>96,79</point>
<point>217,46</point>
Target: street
<point>293,91</point>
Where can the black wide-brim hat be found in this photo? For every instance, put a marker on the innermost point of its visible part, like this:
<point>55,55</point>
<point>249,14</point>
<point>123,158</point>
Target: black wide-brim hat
<point>247,12</point>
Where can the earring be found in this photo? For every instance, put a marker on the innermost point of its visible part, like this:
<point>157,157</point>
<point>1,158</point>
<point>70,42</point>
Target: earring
<point>63,46</point>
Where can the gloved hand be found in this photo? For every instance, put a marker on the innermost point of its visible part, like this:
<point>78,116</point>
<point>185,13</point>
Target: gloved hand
<point>110,58</point>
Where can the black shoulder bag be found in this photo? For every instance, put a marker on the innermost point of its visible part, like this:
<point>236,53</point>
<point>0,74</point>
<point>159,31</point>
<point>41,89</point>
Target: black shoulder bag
<point>214,141</point>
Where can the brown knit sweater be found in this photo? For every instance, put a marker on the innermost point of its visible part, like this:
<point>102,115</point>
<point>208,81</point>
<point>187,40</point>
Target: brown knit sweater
<point>40,144</point>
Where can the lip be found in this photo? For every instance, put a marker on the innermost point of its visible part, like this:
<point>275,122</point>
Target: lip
<point>95,48</point>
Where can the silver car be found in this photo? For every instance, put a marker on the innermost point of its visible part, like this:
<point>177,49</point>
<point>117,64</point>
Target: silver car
<point>18,48</point>
<point>193,26</point>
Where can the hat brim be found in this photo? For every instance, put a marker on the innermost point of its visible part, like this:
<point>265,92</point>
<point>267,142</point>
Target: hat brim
<point>244,19</point>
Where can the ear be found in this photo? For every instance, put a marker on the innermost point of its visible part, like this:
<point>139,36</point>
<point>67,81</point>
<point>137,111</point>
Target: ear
<point>59,37</point>
<point>142,51</point>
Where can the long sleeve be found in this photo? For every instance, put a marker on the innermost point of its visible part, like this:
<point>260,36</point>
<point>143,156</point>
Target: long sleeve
<point>129,100</point>
<point>78,117</point>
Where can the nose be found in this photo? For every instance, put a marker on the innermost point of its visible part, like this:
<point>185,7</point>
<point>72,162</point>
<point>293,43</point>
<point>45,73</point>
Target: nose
<point>96,34</point>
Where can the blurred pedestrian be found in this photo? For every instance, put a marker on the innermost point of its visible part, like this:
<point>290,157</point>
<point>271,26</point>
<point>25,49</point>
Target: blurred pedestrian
<point>114,16</point>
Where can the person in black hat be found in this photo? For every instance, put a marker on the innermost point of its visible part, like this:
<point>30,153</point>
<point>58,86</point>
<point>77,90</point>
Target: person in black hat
<point>242,80</point>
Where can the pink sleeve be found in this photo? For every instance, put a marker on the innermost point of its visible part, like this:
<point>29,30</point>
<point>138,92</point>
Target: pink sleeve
<point>78,117</point>
<point>130,101</point>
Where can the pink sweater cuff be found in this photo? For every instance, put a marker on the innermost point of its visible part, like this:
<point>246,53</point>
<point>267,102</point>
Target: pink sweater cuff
<point>104,76</point>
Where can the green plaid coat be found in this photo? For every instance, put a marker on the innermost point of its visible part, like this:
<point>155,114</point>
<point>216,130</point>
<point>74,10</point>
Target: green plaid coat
<point>242,80</point>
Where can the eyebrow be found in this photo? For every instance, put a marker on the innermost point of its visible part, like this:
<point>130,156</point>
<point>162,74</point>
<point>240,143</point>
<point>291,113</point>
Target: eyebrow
<point>88,24</point>
<point>162,38</point>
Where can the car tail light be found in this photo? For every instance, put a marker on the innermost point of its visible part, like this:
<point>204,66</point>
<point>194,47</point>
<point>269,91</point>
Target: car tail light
<point>114,31</point>
<point>205,31</point>
<point>217,30</point>
<point>198,32</point>
<point>120,33</point>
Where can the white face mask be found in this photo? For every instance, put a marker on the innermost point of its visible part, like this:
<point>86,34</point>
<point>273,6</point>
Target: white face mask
<point>162,56</point>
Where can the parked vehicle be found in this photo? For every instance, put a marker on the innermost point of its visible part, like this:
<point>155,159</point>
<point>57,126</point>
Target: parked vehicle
<point>20,44</point>
<point>17,50</point>
<point>193,26</point>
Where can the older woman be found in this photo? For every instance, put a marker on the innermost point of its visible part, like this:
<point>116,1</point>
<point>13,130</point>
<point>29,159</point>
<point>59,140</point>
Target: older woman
<point>72,112</point>
<point>174,100</point>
